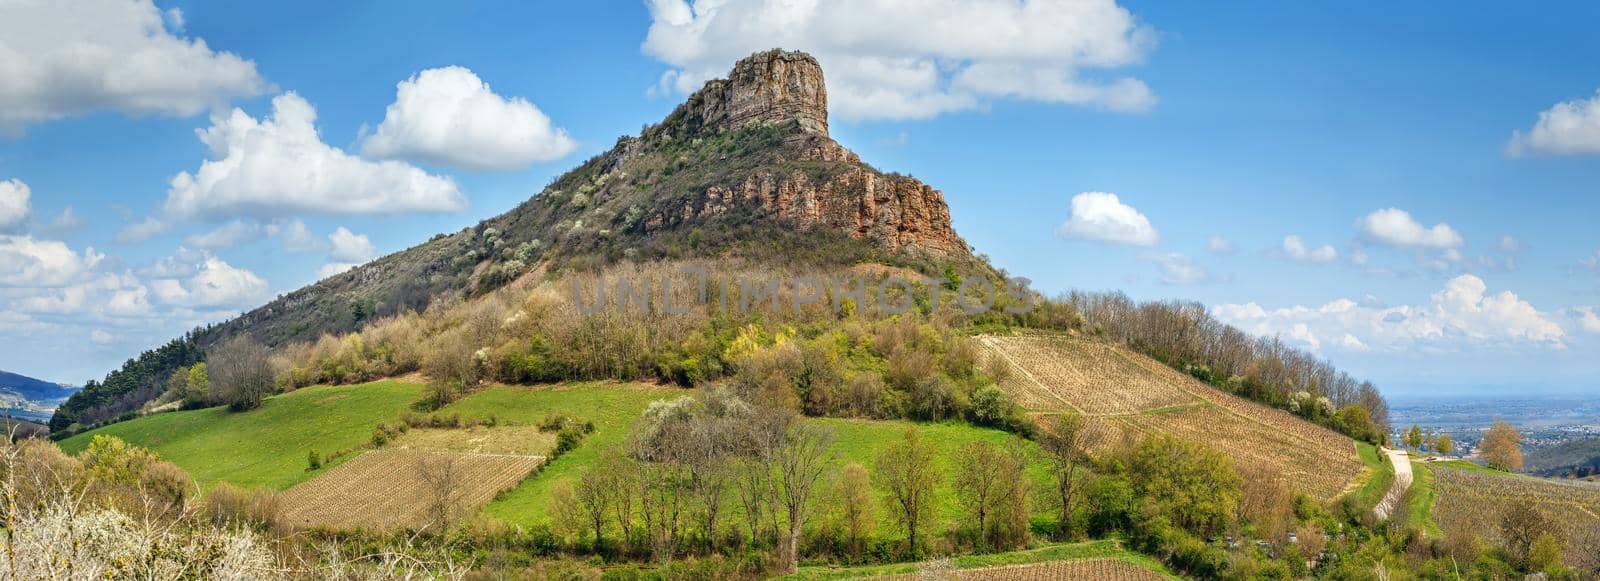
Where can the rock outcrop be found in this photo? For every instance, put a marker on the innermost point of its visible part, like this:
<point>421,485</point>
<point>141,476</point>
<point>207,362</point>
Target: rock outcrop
<point>898,213</point>
<point>771,86</point>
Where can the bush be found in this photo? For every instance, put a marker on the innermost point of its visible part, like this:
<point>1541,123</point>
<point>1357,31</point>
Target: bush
<point>227,504</point>
<point>240,373</point>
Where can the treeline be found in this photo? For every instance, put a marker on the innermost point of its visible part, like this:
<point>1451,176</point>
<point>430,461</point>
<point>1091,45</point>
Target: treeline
<point>1265,369</point>
<point>126,390</point>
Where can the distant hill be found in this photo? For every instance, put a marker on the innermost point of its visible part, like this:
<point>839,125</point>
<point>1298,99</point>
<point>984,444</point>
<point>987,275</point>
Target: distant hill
<point>1579,457</point>
<point>31,399</point>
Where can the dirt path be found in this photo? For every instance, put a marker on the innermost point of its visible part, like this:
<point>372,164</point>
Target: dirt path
<point>1402,481</point>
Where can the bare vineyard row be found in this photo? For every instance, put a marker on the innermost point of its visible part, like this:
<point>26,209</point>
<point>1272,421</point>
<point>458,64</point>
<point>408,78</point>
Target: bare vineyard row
<point>1079,372</point>
<point>1098,569</point>
<point>1470,503</point>
<point>385,489</point>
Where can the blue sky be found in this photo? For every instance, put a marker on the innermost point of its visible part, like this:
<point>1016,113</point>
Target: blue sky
<point>1458,257</point>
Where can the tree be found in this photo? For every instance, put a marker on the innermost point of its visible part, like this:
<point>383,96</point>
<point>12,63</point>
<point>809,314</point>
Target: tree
<point>799,460</point>
<point>855,506</point>
<point>1065,442</point>
<point>1196,487</point>
<point>1444,445</point>
<point>240,373</point>
<point>1357,422</point>
<point>1502,447</point>
<point>442,481</point>
<point>906,476</point>
<point>1413,438</point>
<point>594,493</point>
<point>983,483</point>
<point>1529,536</point>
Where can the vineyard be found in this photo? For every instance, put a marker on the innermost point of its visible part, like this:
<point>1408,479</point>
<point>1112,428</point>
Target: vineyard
<point>512,440</point>
<point>1060,371</point>
<point>1100,569</point>
<point>1127,396</point>
<point>1471,503</point>
<point>391,488</point>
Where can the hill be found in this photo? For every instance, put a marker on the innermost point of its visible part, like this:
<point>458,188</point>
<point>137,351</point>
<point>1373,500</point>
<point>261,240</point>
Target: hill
<point>1125,396</point>
<point>1472,501</point>
<point>31,399</point>
<point>1578,458</point>
<point>744,168</point>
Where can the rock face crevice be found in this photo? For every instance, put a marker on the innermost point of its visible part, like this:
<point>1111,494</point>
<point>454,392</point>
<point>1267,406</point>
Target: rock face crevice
<point>898,213</point>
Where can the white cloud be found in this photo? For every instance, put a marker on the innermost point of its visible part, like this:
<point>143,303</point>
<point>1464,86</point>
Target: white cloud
<point>1588,319</point>
<point>26,262</point>
<point>62,59</point>
<point>1509,243</point>
<point>14,204</point>
<point>226,236</point>
<point>1178,269</point>
<point>1102,217</point>
<point>101,337</point>
<point>279,166</point>
<point>1590,263</point>
<point>102,296</point>
<point>67,221</point>
<point>216,284</point>
<point>448,116</point>
<point>1219,245</point>
<point>1567,128</point>
<point>296,237</point>
<point>350,247</point>
<point>1295,249</point>
<point>1396,227</point>
<point>940,57</point>
<point>141,231</point>
<point>1461,315</point>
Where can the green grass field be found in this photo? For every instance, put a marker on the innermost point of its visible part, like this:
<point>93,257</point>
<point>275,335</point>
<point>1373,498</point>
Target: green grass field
<point>266,446</point>
<point>1419,503</point>
<point>1107,549</point>
<point>1379,476</point>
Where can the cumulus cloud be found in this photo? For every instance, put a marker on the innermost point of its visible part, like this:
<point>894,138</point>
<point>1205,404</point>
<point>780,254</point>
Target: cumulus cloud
<point>279,166</point>
<point>101,337</point>
<point>350,247</point>
<point>215,284</point>
<point>1219,245</point>
<point>1294,248</point>
<point>1567,128</point>
<point>26,262</point>
<point>1102,217</point>
<point>15,206</point>
<point>66,221</point>
<point>142,230</point>
<point>448,116</point>
<point>1461,315</point>
<point>1396,227</point>
<point>70,58</point>
<point>942,57</point>
<point>1178,269</point>
<point>334,268</point>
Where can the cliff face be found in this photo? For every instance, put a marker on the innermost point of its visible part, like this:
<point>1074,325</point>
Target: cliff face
<point>898,213</point>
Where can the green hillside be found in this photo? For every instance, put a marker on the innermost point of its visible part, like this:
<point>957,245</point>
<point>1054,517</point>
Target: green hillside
<point>265,446</point>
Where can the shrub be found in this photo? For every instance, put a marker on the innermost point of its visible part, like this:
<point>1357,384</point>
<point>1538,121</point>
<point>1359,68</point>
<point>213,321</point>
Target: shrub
<point>240,373</point>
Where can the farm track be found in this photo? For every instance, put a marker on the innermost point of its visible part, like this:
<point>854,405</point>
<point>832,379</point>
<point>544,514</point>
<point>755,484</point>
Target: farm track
<point>1126,396</point>
<point>1402,482</point>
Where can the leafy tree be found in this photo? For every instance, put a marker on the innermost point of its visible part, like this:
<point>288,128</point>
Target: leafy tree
<point>1502,447</point>
<point>1064,440</point>
<point>980,482</point>
<point>855,505</point>
<point>1357,422</point>
<point>1413,438</point>
<point>906,475</point>
<point>1195,486</point>
<point>1444,445</point>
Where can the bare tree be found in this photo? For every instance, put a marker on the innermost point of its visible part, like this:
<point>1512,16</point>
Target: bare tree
<point>800,461</point>
<point>441,480</point>
<point>594,494</point>
<point>906,475</point>
<point>240,373</point>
